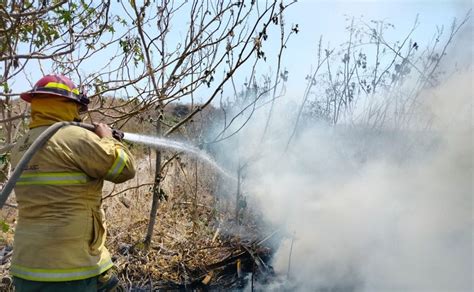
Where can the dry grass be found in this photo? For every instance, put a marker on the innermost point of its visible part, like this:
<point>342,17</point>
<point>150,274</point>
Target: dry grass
<point>192,231</point>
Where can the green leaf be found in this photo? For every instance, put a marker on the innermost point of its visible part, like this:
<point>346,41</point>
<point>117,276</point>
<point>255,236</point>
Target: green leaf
<point>6,88</point>
<point>66,16</point>
<point>3,159</point>
<point>5,227</point>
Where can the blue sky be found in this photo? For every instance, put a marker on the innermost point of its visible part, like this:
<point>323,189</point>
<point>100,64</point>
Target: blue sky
<point>327,18</point>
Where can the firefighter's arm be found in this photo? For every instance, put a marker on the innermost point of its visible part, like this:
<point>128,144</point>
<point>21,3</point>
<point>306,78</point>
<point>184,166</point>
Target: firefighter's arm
<point>105,157</point>
<point>123,167</point>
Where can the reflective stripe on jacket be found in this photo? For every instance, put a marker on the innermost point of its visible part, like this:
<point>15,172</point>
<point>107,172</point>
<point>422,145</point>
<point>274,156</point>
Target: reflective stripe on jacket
<point>60,233</point>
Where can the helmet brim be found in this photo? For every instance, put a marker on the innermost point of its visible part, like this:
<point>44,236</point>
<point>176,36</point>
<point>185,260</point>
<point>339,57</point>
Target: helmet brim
<point>27,96</point>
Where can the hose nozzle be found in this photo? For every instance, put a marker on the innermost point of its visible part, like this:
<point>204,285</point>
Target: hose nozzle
<point>117,134</point>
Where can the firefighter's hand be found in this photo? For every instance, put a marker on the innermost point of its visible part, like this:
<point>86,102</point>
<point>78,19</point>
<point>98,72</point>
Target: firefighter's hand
<point>103,130</point>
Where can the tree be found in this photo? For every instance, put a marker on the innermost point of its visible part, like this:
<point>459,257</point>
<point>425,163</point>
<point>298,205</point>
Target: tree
<point>221,37</point>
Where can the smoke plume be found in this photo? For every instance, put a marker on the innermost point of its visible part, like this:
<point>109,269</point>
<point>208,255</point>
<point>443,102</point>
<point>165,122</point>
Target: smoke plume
<point>367,210</point>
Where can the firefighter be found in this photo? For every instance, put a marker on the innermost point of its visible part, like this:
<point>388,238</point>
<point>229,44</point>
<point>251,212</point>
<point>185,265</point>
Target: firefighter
<point>60,232</point>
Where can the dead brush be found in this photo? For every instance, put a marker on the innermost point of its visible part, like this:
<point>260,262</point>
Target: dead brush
<point>195,239</point>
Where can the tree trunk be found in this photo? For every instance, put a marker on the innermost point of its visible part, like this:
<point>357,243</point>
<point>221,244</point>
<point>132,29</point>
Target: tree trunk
<point>156,191</point>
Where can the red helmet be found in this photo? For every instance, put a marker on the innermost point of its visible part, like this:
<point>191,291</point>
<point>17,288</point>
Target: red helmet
<point>58,85</point>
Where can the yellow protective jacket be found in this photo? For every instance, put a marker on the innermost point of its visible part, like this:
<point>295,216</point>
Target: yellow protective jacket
<point>60,233</point>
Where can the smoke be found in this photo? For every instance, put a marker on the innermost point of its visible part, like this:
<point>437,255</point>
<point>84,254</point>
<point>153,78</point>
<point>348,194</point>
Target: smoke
<point>368,210</point>
<point>461,51</point>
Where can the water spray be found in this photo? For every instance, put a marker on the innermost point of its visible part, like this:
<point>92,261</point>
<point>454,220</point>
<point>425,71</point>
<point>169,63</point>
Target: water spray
<point>158,142</point>
<point>155,142</point>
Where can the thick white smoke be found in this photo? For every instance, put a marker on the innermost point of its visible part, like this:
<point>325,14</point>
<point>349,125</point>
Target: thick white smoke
<point>370,211</point>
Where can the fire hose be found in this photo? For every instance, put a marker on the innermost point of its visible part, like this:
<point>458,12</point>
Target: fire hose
<point>35,146</point>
